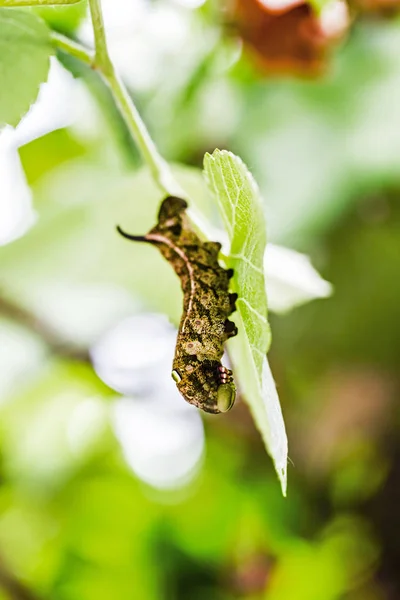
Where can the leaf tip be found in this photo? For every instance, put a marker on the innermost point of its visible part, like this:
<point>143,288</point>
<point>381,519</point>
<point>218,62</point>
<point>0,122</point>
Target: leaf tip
<point>282,476</point>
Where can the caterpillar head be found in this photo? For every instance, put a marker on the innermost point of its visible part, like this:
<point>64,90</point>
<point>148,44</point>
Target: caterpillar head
<point>171,216</point>
<point>208,386</point>
<point>171,207</point>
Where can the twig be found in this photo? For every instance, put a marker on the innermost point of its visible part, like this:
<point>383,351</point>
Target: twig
<point>100,61</point>
<point>14,588</point>
<point>48,334</point>
<point>73,48</point>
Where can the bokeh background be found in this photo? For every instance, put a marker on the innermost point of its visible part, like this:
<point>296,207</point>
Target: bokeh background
<point>110,485</point>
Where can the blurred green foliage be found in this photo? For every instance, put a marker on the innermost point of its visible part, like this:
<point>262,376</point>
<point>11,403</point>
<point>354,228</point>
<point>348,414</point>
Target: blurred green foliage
<point>75,522</point>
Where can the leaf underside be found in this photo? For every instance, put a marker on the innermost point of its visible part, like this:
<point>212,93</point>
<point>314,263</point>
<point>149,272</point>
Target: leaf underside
<point>238,199</point>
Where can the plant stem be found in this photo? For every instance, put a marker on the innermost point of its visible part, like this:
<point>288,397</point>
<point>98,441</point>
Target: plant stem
<point>14,588</point>
<point>101,62</point>
<point>54,342</point>
<point>73,48</point>
<point>102,58</point>
<point>158,166</point>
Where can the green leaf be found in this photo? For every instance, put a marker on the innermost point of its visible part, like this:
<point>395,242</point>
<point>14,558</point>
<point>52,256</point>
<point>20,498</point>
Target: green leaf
<point>43,154</point>
<point>64,19</point>
<point>25,50</point>
<point>241,209</point>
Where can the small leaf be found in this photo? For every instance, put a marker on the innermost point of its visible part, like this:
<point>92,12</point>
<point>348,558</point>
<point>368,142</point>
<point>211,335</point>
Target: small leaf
<point>241,209</point>
<point>63,18</point>
<point>25,50</point>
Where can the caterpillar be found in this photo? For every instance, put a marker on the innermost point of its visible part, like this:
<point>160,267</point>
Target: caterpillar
<point>204,327</point>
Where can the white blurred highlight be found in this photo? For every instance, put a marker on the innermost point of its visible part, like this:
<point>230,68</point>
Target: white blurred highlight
<point>21,354</point>
<point>191,3</point>
<point>163,448</point>
<point>157,33</point>
<point>334,18</point>
<point>161,436</point>
<point>84,311</point>
<point>291,279</point>
<point>135,356</point>
<point>280,5</point>
<point>17,214</point>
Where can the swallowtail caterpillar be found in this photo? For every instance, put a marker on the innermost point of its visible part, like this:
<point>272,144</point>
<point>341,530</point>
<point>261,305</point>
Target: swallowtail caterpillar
<point>197,370</point>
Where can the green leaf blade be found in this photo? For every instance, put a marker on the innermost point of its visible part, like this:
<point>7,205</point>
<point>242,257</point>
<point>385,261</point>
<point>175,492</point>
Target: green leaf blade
<point>238,199</point>
<point>65,17</point>
<point>242,212</point>
<point>25,50</point>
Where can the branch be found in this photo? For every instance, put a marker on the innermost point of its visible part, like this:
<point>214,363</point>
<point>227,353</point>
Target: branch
<point>73,48</point>
<point>14,588</point>
<point>100,61</point>
<point>102,58</point>
<point>48,334</point>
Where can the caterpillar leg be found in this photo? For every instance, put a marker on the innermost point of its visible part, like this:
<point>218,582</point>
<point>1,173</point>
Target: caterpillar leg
<point>230,329</point>
<point>213,247</point>
<point>232,301</point>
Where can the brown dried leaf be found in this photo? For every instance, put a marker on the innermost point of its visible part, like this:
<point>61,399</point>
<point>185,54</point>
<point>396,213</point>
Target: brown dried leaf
<point>289,39</point>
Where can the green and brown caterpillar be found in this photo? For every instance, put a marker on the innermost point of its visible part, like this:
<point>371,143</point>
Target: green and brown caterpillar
<point>197,370</point>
